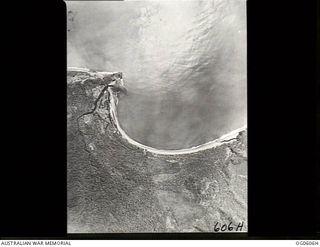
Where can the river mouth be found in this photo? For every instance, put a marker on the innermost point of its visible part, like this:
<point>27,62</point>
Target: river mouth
<point>107,88</point>
<point>184,64</point>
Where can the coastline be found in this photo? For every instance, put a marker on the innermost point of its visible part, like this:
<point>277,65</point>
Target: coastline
<point>228,137</point>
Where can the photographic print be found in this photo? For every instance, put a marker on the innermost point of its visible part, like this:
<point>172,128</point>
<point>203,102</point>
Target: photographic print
<point>156,116</point>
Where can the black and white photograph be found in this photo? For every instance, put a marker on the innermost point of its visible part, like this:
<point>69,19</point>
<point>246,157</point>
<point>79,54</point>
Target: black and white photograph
<point>157,122</point>
<point>157,116</point>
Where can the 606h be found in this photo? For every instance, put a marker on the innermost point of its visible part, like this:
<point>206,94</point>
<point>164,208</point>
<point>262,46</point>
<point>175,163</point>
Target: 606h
<point>218,227</point>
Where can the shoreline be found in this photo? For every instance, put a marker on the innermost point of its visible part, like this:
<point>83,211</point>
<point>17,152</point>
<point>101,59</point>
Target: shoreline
<point>226,138</point>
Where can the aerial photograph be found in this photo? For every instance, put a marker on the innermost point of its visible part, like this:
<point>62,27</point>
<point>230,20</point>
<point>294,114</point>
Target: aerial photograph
<point>156,116</point>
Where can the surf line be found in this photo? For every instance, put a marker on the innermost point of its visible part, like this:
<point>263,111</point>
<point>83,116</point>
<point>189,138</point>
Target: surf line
<point>227,138</point>
<point>215,143</point>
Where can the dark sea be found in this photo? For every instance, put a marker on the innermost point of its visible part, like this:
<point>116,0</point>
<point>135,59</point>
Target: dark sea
<point>183,62</point>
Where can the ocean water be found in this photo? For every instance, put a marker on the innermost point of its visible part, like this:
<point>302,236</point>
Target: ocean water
<point>183,62</point>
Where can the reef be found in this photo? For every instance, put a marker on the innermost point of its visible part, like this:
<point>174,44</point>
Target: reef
<point>116,186</point>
